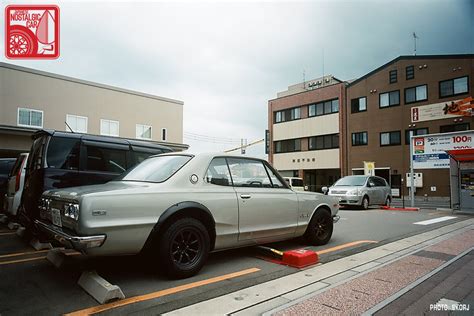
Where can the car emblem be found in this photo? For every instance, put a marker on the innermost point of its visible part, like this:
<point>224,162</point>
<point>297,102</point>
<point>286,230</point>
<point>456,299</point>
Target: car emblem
<point>193,178</point>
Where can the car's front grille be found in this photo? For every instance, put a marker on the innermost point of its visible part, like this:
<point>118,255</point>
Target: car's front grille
<point>338,192</point>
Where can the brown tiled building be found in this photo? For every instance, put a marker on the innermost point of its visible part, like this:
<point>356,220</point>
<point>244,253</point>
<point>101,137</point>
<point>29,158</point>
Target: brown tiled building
<point>304,128</point>
<point>407,93</point>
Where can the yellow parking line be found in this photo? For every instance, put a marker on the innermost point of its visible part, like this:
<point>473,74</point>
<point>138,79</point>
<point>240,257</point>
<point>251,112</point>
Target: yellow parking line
<point>5,234</point>
<point>350,244</point>
<point>22,253</point>
<point>154,295</point>
<point>22,260</point>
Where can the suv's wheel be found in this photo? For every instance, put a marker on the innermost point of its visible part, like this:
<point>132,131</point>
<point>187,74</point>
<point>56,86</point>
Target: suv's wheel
<point>184,247</point>
<point>388,201</point>
<point>365,203</point>
<point>319,229</point>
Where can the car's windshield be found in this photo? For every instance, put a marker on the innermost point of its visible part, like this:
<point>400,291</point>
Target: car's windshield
<point>351,181</point>
<point>156,169</point>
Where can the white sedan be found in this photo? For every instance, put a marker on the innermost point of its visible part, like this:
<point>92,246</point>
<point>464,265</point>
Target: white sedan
<point>179,207</point>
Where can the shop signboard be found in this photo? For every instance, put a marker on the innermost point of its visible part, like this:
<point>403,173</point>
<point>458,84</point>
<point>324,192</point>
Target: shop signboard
<point>429,151</point>
<point>443,110</point>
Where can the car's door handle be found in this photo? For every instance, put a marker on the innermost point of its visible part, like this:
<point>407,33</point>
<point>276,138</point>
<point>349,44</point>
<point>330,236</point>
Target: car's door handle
<point>245,196</point>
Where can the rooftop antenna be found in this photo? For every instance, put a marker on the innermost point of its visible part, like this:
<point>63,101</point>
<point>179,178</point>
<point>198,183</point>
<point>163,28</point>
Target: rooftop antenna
<point>415,37</point>
<point>304,79</point>
<point>323,66</point>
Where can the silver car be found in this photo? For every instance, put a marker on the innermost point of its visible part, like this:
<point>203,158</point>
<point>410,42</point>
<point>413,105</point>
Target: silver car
<point>361,191</point>
<point>16,181</point>
<point>179,207</point>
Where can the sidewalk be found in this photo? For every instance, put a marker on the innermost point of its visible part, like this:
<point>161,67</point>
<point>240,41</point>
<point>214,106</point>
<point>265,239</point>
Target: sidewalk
<point>405,276</point>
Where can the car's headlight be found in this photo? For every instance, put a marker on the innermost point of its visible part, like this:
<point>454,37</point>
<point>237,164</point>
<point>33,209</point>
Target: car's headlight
<point>354,192</point>
<point>71,211</point>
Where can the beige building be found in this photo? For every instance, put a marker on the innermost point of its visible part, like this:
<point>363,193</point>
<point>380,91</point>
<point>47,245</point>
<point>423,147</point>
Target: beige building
<point>32,100</point>
<point>304,127</point>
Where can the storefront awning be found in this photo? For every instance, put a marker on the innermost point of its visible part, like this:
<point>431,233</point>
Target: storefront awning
<point>462,154</point>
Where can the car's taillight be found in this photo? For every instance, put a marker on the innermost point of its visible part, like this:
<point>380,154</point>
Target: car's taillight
<point>17,180</point>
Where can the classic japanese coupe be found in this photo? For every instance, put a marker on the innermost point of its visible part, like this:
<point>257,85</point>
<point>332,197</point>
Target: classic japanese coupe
<point>179,207</point>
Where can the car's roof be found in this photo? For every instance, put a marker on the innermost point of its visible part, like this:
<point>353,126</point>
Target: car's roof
<point>208,155</point>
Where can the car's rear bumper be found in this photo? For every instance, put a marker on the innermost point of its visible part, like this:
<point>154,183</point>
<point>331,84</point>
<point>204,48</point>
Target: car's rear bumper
<point>72,241</point>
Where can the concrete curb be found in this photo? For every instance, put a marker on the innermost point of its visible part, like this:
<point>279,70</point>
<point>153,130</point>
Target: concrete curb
<point>56,256</point>
<point>97,287</point>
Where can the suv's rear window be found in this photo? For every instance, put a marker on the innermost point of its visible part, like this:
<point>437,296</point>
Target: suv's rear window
<point>63,153</point>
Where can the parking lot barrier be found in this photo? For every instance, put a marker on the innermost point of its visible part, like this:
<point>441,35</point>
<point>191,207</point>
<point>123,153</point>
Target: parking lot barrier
<point>20,232</point>
<point>35,243</point>
<point>97,287</point>
<point>13,226</point>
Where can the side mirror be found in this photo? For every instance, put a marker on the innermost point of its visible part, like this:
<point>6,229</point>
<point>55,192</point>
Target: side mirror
<point>325,190</point>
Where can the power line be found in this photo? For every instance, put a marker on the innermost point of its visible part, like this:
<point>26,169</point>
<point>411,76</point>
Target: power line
<point>245,146</point>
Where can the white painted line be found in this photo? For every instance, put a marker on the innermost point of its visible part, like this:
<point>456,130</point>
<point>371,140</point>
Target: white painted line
<point>435,220</point>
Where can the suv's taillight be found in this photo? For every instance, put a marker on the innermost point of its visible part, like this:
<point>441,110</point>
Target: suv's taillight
<point>17,180</point>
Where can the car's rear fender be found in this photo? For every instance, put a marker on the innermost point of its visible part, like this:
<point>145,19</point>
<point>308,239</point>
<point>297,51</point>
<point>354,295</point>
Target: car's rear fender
<point>179,210</point>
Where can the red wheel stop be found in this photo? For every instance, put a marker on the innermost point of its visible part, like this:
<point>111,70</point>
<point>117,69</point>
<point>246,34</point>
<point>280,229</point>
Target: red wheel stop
<point>300,258</point>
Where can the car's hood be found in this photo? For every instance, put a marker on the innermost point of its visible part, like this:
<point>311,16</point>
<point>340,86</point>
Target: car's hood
<point>75,192</point>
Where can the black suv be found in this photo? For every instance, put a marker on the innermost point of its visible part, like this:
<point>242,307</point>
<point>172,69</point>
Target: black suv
<point>61,160</point>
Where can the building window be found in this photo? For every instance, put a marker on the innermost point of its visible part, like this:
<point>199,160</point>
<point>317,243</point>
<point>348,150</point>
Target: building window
<point>359,139</point>
<point>416,94</point>
<point>410,72</point>
<point>109,127</point>
<point>359,105</point>
<point>322,108</point>
<point>288,115</point>
<point>324,142</point>
<point>76,124</point>
<point>454,128</point>
<point>393,76</point>
<point>286,146</point>
<point>143,131</point>
<point>416,132</point>
<point>452,87</point>
<point>30,118</point>
<point>389,99</point>
<point>390,138</point>
<point>164,134</point>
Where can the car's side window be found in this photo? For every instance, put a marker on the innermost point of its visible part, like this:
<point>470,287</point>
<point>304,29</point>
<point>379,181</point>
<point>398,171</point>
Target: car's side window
<point>379,182</point>
<point>371,182</point>
<point>218,172</point>
<point>248,173</point>
<point>106,159</point>
<point>275,181</point>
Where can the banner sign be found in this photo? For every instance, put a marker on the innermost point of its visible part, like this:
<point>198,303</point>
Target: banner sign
<point>443,110</point>
<point>429,151</point>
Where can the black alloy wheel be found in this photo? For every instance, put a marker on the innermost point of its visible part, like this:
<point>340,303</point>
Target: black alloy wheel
<point>184,248</point>
<point>320,228</point>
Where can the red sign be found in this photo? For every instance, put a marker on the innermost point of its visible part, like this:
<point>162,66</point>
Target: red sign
<point>32,32</point>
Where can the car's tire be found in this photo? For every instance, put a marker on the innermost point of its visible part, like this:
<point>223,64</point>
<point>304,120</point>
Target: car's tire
<point>365,202</point>
<point>388,201</point>
<point>183,248</point>
<point>319,230</point>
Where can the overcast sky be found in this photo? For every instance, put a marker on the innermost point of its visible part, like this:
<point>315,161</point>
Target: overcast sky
<point>225,59</point>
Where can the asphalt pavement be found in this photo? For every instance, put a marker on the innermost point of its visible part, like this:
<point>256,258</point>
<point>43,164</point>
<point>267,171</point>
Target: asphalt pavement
<point>30,284</point>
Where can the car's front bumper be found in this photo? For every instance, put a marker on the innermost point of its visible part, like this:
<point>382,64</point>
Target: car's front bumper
<point>335,218</point>
<point>349,199</point>
<point>72,241</point>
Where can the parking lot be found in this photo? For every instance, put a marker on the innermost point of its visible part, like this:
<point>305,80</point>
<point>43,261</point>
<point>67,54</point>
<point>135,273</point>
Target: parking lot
<point>31,284</point>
